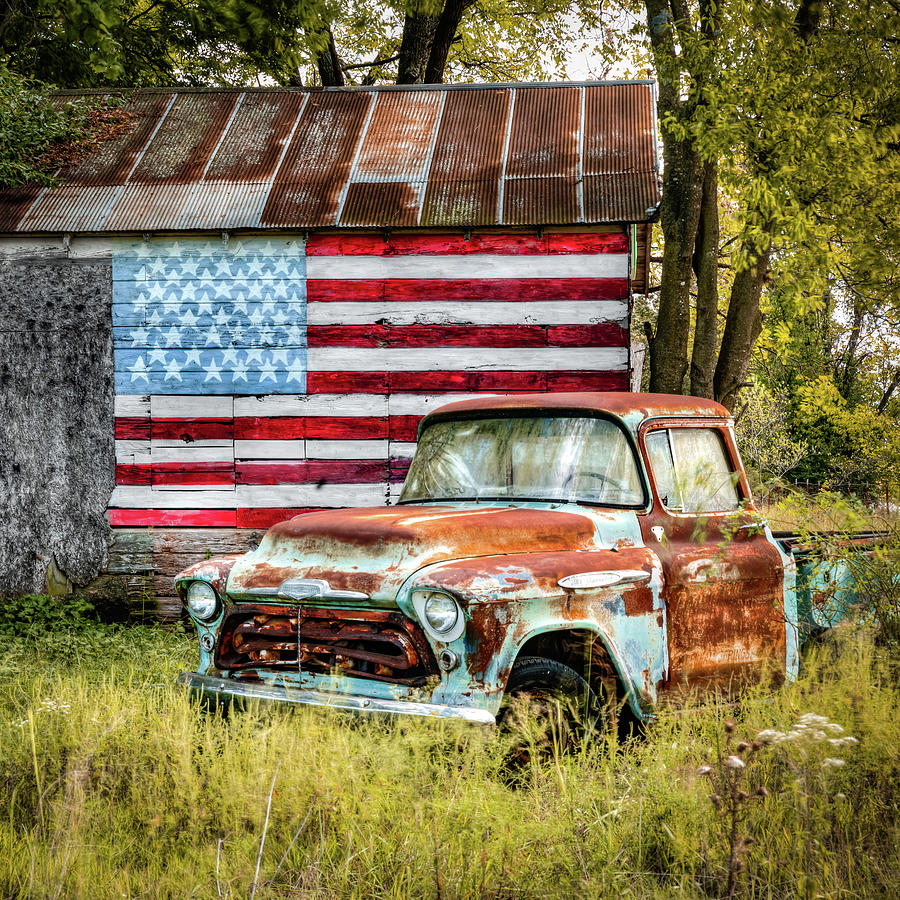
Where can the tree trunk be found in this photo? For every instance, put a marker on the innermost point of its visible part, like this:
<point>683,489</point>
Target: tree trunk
<point>742,327</point>
<point>415,47</point>
<point>329,64</point>
<point>444,35</point>
<point>706,268</point>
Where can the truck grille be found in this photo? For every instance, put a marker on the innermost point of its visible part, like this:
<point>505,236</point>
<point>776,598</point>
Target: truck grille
<point>375,644</point>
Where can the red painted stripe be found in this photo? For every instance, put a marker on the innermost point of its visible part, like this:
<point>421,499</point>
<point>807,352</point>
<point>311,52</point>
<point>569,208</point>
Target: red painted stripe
<point>606,334</point>
<point>456,244</point>
<point>212,518</point>
<point>264,518</point>
<point>126,474</point>
<point>440,289</point>
<point>405,428</point>
<point>286,428</point>
<point>132,428</point>
<point>176,473</point>
<point>441,382</point>
<point>195,429</point>
<point>399,468</point>
<point>320,471</point>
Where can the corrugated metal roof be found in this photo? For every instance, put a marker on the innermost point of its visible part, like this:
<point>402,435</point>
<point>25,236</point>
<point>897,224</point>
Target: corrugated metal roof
<point>425,155</point>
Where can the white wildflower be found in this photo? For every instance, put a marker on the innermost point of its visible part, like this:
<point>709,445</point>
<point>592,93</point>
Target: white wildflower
<point>831,763</point>
<point>812,719</point>
<point>770,736</point>
<point>840,796</point>
<point>833,726</point>
<point>847,741</point>
<point>704,770</point>
<point>734,762</point>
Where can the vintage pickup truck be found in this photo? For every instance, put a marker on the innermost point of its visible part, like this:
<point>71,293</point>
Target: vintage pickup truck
<point>601,544</point>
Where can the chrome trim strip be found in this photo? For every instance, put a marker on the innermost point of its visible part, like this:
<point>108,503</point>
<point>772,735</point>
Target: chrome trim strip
<point>226,690</point>
<point>301,589</point>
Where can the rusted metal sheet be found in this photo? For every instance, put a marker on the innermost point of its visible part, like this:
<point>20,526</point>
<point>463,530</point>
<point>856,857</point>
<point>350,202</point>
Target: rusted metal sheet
<point>464,181</point>
<point>428,156</point>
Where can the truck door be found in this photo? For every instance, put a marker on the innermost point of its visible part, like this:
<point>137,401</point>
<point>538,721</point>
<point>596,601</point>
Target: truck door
<point>723,578</point>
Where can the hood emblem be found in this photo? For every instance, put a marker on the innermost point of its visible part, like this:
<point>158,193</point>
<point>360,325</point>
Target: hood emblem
<point>603,579</point>
<point>304,589</point>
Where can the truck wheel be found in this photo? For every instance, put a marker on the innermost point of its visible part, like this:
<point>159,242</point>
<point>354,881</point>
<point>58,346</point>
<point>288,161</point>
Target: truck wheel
<point>548,705</point>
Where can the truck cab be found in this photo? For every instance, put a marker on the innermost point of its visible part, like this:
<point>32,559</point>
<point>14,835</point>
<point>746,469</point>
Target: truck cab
<point>608,537</point>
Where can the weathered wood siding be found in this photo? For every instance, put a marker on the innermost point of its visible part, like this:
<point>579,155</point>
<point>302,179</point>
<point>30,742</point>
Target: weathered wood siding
<point>56,415</point>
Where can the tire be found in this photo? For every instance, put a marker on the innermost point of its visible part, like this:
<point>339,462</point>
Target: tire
<point>548,707</point>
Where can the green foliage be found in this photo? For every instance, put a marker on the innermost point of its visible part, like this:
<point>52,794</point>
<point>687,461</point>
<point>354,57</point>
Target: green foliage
<point>29,126</point>
<point>36,614</point>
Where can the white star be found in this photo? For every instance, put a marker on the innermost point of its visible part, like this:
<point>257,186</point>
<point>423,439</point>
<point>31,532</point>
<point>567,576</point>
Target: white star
<point>280,290</point>
<point>240,305</point>
<point>236,334</point>
<point>157,354</point>
<point>256,317</point>
<point>174,249</point>
<point>221,317</point>
<point>265,336</point>
<point>295,275</point>
<point>139,369</point>
<point>268,250</point>
<point>204,305</point>
<point>280,317</point>
<point>192,357</point>
<point>143,249</point>
<point>295,371</point>
<point>157,289</point>
<point>223,290</point>
<point>280,267</point>
<point>157,267</point>
<point>155,319</point>
<point>206,275</point>
<point>173,370</point>
<point>239,373</point>
<point>212,336</point>
<point>255,267</point>
<point>212,371</point>
<point>142,300</point>
<point>254,291</point>
<point>139,337</point>
<point>187,293</point>
<point>229,355</point>
<point>295,336</point>
<point>188,319</point>
<point>267,370</point>
<point>223,267</point>
<point>189,267</point>
<point>279,356</point>
<point>173,336</point>
<point>253,356</point>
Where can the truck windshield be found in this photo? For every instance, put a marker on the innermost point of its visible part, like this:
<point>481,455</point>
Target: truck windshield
<point>557,458</point>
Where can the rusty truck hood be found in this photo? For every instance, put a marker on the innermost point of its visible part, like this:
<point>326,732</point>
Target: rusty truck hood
<point>375,550</point>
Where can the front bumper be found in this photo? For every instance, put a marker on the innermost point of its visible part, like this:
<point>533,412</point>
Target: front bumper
<point>226,691</point>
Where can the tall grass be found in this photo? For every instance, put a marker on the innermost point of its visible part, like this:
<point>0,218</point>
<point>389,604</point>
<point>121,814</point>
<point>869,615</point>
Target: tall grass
<point>114,785</point>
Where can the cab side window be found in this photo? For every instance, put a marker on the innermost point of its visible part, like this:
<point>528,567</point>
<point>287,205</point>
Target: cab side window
<point>692,470</point>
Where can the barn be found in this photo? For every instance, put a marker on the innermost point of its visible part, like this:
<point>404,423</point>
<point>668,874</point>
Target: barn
<point>240,307</point>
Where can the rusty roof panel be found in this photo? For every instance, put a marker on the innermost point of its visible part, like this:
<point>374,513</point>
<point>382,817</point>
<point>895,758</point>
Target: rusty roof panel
<point>114,160</point>
<point>619,131</point>
<point>308,185</point>
<point>186,138</point>
<point>426,155</point>
<point>463,183</point>
<point>553,200</point>
<point>382,204</point>
<point>620,197</point>
<point>255,139</point>
<point>398,138</point>
<point>543,137</point>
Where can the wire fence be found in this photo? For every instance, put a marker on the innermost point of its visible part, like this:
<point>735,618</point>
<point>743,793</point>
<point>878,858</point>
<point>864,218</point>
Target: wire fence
<point>872,495</point>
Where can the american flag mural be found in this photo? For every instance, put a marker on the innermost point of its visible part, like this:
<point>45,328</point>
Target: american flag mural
<point>261,376</point>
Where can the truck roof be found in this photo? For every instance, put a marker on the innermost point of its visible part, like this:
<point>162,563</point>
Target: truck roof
<point>633,408</point>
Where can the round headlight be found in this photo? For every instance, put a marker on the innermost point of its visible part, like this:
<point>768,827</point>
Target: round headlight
<point>202,600</point>
<point>441,612</point>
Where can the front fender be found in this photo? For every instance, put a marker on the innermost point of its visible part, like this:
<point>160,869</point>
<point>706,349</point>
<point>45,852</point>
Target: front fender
<point>215,571</point>
<point>508,600</point>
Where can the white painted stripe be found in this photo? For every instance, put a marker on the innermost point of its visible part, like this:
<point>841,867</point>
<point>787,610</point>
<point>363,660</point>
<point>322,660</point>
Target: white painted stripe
<point>187,406</point>
<point>132,405</point>
<point>263,449</point>
<point>210,451</point>
<point>133,453</point>
<point>312,405</point>
<point>346,449</point>
<point>469,266</point>
<point>420,404</point>
<point>196,488</point>
<point>402,450</point>
<point>250,495</point>
<point>455,359</point>
<point>538,312</point>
